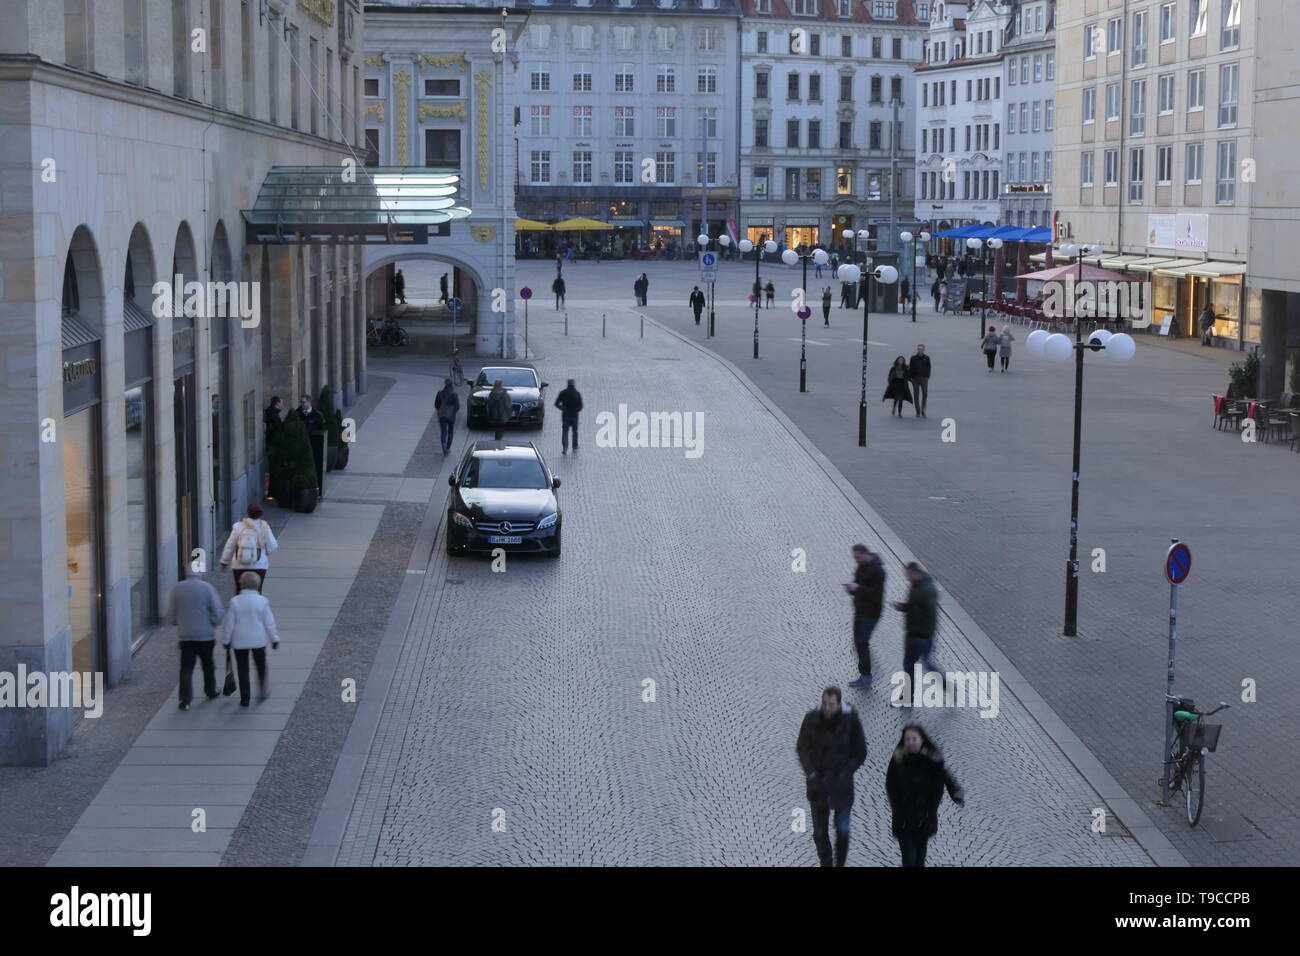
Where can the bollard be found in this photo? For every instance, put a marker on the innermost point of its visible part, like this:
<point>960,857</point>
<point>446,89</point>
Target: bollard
<point>643,326</point>
<point>566,323</point>
<point>602,325</point>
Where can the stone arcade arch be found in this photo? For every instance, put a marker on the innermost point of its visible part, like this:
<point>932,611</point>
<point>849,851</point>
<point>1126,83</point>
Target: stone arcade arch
<point>477,298</point>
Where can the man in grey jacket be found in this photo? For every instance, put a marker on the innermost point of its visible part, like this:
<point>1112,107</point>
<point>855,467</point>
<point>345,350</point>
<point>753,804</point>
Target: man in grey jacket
<point>194,608</point>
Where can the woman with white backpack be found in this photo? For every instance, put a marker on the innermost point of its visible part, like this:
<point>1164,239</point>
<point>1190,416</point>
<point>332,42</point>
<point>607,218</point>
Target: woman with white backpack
<point>249,544</point>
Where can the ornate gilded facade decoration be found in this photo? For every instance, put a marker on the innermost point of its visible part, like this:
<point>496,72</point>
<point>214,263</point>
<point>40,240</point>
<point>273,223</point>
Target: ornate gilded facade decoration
<point>483,81</point>
<point>376,110</point>
<point>444,61</point>
<point>442,112</point>
<point>320,10</point>
<point>483,233</point>
<point>376,60</point>
<point>402,80</point>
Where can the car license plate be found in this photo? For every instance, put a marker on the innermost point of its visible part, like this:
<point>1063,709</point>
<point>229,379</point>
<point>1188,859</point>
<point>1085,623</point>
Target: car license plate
<point>505,539</point>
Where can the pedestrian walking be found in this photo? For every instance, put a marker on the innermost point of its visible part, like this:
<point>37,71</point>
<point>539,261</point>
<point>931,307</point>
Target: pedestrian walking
<point>826,306</point>
<point>904,291</point>
<point>1005,338</point>
<point>758,290</point>
<point>569,402</point>
<point>943,298</point>
<point>868,592</point>
<point>447,403</point>
<point>442,289</point>
<point>921,614</point>
<point>770,290</point>
<point>918,373</point>
<point>817,269</point>
<point>835,265</point>
<point>194,609</point>
<point>990,346</point>
<point>248,626</point>
<point>248,546</point>
<point>846,295</point>
<point>558,288</point>
<point>498,408</point>
<point>696,302</point>
<point>1207,325</point>
<point>914,783</point>
<point>399,287</point>
<point>271,420</point>
<point>941,270</point>
<point>831,747</point>
<point>936,290</point>
<point>896,387</point>
<point>642,289</point>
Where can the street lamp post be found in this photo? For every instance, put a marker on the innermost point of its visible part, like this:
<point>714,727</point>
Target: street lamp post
<point>908,237</point>
<point>702,243</point>
<point>758,249</point>
<point>887,275</point>
<point>983,246</point>
<point>1056,347</point>
<point>790,257</point>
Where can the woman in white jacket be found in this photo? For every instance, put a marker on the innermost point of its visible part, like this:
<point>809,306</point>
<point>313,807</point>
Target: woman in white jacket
<point>249,544</point>
<point>248,626</point>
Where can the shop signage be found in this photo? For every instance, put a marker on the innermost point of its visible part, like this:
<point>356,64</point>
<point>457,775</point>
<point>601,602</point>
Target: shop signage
<point>1192,232</point>
<point>1160,231</point>
<point>1026,188</point>
<point>75,371</point>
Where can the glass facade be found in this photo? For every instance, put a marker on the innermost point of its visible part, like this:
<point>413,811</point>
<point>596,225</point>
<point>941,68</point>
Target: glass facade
<point>81,486</point>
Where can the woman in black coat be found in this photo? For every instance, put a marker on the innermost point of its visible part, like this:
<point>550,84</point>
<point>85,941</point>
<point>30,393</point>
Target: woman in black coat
<point>915,782</point>
<point>271,418</point>
<point>897,388</point>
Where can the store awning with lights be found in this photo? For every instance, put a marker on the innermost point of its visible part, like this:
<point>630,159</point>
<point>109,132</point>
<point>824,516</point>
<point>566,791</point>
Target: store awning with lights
<point>328,205</point>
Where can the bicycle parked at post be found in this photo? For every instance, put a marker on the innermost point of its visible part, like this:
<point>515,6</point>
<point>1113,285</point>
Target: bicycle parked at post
<point>1193,739</point>
<point>389,333</point>
<point>456,372</point>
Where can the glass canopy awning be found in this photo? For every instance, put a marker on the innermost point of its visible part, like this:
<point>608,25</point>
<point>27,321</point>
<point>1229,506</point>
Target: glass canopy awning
<point>327,205</point>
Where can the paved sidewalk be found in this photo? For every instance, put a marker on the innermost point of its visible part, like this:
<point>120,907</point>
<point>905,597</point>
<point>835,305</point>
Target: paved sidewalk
<point>212,757</point>
<point>520,693</point>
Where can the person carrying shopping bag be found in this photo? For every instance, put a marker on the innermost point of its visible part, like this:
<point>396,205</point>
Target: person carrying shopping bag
<point>247,628</point>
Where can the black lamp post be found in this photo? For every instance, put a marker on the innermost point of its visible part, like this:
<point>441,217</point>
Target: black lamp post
<point>908,237</point>
<point>887,275</point>
<point>768,246</point>
<point>984,247</point>
<point>702,242</point>
<point>790,257</point>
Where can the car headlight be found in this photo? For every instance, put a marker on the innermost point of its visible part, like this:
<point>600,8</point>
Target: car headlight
<point>462,520</point>
<point>548,521</point>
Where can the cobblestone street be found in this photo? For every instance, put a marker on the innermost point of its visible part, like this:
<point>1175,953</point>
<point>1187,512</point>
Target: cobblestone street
<point>518,696</point>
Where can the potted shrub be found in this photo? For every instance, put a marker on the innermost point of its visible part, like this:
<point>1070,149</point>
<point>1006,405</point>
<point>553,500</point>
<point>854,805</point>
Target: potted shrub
<point>1243,377</point>
<point>277,459</point>
<point>300,468</point>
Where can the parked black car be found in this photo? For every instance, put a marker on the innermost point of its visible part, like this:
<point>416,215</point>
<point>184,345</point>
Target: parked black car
<point>527,402</point>
<point>503,496</point>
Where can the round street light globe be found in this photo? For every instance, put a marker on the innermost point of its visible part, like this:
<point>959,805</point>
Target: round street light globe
<point>745,246</point>
<point>848,234</point>
<point>821,257</point>
<point>1097,341</point>
<point>1120,347</point>
<point>770,246</point>
<point>887,274</point>
<point>973,243</point>
<point>1069,250</point>
<point>864,233</point>
<point>995,243</point>
<point>1034,342</point>
<point>702,240</point>
<point>925,237</point>
<point>724,240</point>
<point>789,257</point>
<point>1057,347</point>
<point>905,236</point>
<point>850,273</point>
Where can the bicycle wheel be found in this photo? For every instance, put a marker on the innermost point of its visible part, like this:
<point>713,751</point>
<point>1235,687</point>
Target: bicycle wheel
<point>1174,768</point>
<point>1194,787</point>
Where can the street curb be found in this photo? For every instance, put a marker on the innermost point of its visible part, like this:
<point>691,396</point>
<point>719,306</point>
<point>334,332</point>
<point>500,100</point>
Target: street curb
<point>1125,809</point>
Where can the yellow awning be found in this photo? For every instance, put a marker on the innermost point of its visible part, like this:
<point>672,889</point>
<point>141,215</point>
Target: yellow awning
<point>580,224</point>
<point>531,225</point>
<point>1152,263</point>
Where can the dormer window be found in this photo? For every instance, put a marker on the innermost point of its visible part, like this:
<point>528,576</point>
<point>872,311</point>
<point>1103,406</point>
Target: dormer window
<point>884,9</point>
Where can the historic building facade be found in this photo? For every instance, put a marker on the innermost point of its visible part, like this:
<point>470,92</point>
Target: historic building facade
<point>1029,90</point>
<point>137,134</point>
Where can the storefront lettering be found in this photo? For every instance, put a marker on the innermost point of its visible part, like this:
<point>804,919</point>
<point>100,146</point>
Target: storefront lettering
<point>76,371</point>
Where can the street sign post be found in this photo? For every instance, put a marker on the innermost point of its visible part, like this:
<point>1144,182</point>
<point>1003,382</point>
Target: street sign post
<point>708,266</point>
<point>803,347</point>
<point>454,304</point>
<point>1178,565</point>
<point>525,293</point>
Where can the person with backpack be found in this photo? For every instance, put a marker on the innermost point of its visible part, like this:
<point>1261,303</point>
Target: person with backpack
<point>250,541</point>
<point>914,783</point>
<point>696,302</point>
<point>447,404</point>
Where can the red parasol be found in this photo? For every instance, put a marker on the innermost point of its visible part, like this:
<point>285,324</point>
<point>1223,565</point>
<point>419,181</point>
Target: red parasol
<point>1022,265</point>
<point>997,275</point>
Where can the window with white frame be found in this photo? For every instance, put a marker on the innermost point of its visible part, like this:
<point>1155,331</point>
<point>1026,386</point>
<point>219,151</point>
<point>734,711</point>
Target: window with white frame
<point>708,121</point>
<point>582,124</point>
<point>1085,169</point>
<point>1230,35</point>
<point>1033,168</point>
<point>665,78</point>
<point>803,8</point>
<point>1114,31</point>
<point>665,38</point>
<point>1168,19</point>
<point>1050,62</point>
<point>1193,163</point>
<point>708,168</point>
<point>624,120</point>
<point>764,6</point>
<point>1047,167</point>
<point>1228,74</point>
<point>1024,69</point>
<point>1112,101</point>
<point>624,38</point>
<point>1139,38</point>
<point>665,167</point>
<point>1038,68</point>
<point>539,121</point>
<point>1038,115</point>
<point>624,167</point>
<point>539,167</point>
<point>1137,108</point>
<point>582,77</point>
<point>1195,90</point>
<point>1091,42</point>
<point>1089,105</point>
<point>1137,158</point>
<point>582,36</point>
<point>1012,72</point>
<point>624,78</point>
<point>1110,172</point>
<point>539,79</point>
<point>884,9</point>
<point>1011,117</point>
<point>1024,117</point>
<point>1198,14</point>
<point>665,121</point>
<point>1226,177</point>
<point>923,11</point>
<point>1024,168</point>
<point>1165,94</point>
<point>1049,115</point>
<point>706,80</point>
<point>706,38</point>
<point>760,132</point>
<point>1011,168</point>
<point>1164,165</point>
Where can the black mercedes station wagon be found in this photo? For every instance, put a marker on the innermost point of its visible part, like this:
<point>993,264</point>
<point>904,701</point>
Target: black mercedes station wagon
<point>503,496</point>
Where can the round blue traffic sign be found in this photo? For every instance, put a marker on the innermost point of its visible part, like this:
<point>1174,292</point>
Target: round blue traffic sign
<point>1178,563</point>
<point>525,293</point>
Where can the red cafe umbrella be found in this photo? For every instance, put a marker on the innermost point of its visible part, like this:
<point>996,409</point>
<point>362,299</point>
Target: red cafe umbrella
<point>1022,265</point>
<point>1048,261</point>
<point>997,275</point>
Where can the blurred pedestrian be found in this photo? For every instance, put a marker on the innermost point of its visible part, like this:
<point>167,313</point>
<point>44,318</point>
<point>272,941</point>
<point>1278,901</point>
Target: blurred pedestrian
<point>904,291</point>
<point>770,290</point>
<point>1207,325</point>
<point>831,747</point>
<point>990,346</point>
<point>498,408</point>
<point>558,287</point>
<point>868,593</point>
<point>248,546</point>
<point>194,609</point>
<point>399,287</point>
<point>896,387</point>
<point>936,290</point>
<point>921,615</point>
<point>943,297</point>
<point>442,289</point>
<point>835,265</point>
<point>1005,338</point>
<point>826,306</point>
<point>914,783</point>
<point>447,403</point>
<point>271,420</point>
<point>918,373</point>
<point>248,626</point>
<point>569,402</point>
<point>696,302</point>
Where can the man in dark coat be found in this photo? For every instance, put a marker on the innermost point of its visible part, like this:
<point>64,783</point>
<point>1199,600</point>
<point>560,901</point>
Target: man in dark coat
<point>399,287</point>
<point>921,610</point>
<point>1207,325</point>
<point>918,371</point>
<point>271,419</point>
<point>447,404</point>
<point>770,291</point>
<point>696,301</point>
<point>831,747</point>
<point>315,423</point>
<point>915,782</point>
<point>868,592</point>
<point>498,408</point>
<point>569,402</point>
<point>442,288</point>
<point>904,291</point>
<point>558,287</point>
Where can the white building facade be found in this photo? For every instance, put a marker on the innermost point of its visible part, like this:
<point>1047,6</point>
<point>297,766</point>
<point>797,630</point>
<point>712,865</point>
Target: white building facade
<point>960,120</point>
<point>1028,133</point>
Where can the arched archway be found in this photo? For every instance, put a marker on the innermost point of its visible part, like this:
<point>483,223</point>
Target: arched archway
<point>220,382</point>
<point>141,401</point>
<point>185,432</point>
<point>470,285</point>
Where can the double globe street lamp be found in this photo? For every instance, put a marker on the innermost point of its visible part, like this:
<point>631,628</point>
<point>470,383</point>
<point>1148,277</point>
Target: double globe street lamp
<point>1117,347</point>
<point>702,244</point>
<point>746,247</point>
<point>886,275</point>
<point>790,257</point>
<point>908,237</point>
<point>983,246</point>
